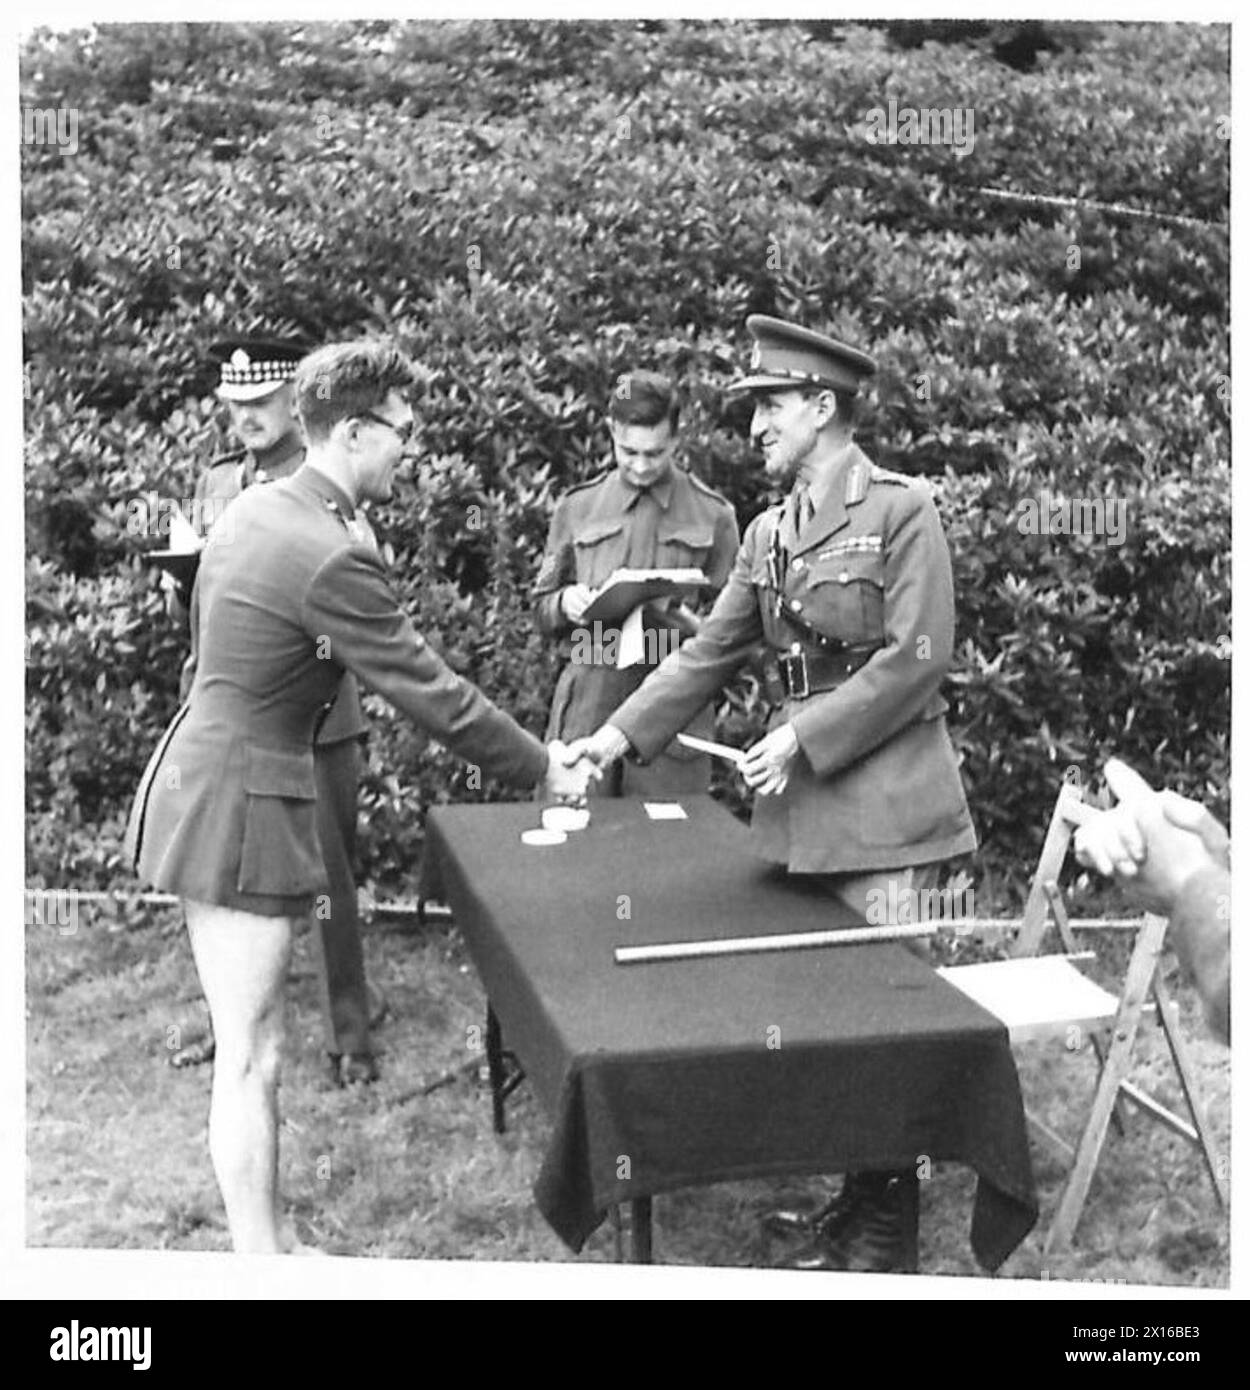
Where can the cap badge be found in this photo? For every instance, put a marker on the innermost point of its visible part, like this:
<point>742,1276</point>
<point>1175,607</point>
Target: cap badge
<point>239,360</point>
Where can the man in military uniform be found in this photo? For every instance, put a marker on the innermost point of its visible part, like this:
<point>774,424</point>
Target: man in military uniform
<point>290,599</point>
<point>848,583</point>
<point>256,385</point>
<point>645,513</point>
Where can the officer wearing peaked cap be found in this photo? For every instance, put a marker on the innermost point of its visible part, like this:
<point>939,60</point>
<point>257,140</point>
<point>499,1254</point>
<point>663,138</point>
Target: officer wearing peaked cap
<point>848,584</point>
<point>256,384</point>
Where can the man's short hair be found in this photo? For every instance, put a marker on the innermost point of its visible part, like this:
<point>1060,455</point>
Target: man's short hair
<point>848,407</point>
<point>644,398</point>
<point>848,402</point>
<point>342,380</point>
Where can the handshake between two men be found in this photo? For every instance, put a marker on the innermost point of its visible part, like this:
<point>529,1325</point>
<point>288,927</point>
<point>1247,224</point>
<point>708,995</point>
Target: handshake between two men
<point>572,767</point>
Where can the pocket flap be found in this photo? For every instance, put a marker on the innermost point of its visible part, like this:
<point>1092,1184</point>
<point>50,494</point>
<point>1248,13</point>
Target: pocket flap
<point>849,568</point>
<point>598,531</point>
<point>280,772</point>
<point>698,538</point>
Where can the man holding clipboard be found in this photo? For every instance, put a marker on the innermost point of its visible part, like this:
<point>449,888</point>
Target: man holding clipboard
<point>607,540</point>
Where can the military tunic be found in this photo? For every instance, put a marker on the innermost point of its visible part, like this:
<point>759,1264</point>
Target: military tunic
<point>216,487</point>
<point>225,812</point>
<point>336,934</point>
<point>604,525</point>
<point>865,596</point>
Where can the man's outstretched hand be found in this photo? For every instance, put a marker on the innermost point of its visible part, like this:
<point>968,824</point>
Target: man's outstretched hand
<point>601,749</point>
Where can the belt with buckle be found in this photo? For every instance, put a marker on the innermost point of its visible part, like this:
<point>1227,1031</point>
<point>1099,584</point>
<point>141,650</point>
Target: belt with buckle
<point>802,673</point>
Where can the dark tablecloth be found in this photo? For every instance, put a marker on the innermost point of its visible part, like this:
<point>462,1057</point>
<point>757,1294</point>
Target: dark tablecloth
<point>668,1075</point>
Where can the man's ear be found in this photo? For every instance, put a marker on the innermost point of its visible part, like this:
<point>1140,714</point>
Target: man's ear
<point>827,405</point>
<point>345,432</point>
<point>290,403</point>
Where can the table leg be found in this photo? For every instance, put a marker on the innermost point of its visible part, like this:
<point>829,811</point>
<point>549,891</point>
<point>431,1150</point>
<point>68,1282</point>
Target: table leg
<point>494,1065</point>
<point>640,1230</point>
<point>909,1195</point>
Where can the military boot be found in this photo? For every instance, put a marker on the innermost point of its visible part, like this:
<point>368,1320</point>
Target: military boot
<point>881,1236</point>
<point>874,1233</point>
<point>832,1216</point>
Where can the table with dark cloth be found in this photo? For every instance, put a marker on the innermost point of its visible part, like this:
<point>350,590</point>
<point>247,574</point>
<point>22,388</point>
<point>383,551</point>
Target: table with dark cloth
<point>665,1075</point>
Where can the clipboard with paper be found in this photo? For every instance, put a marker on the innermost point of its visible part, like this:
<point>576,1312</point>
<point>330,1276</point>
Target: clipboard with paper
<point>624,590</point>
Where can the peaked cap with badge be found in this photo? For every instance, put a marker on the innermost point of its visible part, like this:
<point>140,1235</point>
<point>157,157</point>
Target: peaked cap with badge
<point>786,355</point>
<point>857,614</point>
<point>252,368</point>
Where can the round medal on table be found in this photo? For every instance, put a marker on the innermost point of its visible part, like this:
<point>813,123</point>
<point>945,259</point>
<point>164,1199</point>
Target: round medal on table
<point>543,837</point>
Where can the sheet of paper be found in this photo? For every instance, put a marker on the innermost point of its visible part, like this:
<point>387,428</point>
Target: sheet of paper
<point>717,750</point>
<point>183,538</point>
<point>664,810</point>
<point>633,646</point>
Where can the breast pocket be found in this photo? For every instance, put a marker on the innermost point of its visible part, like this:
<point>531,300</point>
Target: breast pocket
<point>599,548</point>
<point>846,597</point>
<point>281,853</point>
<point>683,547</point>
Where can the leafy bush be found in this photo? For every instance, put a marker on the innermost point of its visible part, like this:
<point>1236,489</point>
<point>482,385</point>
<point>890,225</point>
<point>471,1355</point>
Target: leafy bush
<point>530,208</point>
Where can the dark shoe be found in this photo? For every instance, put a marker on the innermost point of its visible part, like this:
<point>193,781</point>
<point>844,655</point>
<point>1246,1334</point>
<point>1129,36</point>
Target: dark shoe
<point>353,1069</point>
<point>867,1234</point>
<point>828,1219</point>
<point>876,1240</point>
<point>195,1054</point>
<point>378,1006</point>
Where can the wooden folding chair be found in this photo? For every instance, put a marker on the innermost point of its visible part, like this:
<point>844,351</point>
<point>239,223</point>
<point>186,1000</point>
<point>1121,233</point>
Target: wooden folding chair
<point>1041,996</point>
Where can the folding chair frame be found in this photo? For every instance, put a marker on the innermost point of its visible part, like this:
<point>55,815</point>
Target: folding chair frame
<point>1143,986</point>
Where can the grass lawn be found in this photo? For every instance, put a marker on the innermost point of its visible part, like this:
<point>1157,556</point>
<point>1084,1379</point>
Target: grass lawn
<point>118,1153</point>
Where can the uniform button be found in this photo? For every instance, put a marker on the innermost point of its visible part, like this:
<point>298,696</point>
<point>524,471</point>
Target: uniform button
<point>844,577</point>
<point>797,567</point>
<point>795,606</point>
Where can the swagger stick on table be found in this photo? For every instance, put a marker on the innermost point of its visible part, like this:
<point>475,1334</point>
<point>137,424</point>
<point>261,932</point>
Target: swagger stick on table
<point>781,941</point>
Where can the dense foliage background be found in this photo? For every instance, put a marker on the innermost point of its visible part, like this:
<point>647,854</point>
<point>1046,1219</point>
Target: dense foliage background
<point>530,208</point>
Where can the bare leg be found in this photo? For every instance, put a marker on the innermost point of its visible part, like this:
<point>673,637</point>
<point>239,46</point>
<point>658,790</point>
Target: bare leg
<point>242,960</point>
